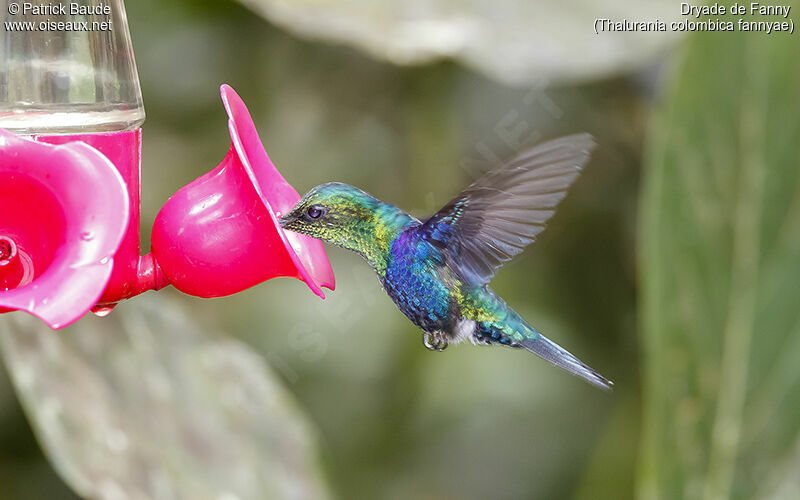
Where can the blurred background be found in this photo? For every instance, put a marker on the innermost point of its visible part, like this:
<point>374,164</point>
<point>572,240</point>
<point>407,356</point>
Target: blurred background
<point>671,267</point>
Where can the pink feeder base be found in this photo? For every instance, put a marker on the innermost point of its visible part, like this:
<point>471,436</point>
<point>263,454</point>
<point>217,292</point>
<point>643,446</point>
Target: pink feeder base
<point>69,235</point>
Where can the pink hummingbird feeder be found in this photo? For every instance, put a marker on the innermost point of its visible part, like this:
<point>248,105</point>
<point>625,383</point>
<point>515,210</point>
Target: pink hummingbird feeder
<point>70,167</point>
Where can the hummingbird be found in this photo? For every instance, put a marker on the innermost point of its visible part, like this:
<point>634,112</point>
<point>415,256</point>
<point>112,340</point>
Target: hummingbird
<point>437,270</point>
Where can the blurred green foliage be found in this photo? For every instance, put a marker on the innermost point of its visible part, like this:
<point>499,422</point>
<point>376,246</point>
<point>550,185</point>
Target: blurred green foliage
<point>720,241</point>
<point>398,421</point>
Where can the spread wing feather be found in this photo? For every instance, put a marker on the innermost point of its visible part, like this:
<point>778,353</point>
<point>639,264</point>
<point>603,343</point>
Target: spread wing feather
<point>501,213</point>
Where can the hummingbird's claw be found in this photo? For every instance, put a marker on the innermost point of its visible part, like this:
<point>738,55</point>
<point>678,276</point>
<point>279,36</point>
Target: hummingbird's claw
<point>435,341</point>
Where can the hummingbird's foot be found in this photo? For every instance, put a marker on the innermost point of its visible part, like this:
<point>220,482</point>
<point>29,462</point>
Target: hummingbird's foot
<point>435,341</point>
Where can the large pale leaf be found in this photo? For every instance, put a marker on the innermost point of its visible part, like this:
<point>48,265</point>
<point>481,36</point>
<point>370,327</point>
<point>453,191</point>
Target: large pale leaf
<point>146,405</point>
<point>515,42</point>
<point>720,274</point>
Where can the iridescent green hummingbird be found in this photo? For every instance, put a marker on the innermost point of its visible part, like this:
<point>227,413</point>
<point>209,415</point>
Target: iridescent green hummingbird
<point>437,271</point>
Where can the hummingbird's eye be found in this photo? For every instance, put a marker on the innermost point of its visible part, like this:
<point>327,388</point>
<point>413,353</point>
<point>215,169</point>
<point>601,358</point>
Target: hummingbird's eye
<point>315,211</point>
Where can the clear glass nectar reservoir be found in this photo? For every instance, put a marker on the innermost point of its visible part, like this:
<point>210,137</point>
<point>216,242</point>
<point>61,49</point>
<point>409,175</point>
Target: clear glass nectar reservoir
<point>67,68</point>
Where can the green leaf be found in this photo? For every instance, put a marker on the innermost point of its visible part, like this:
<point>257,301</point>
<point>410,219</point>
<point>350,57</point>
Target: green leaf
<point>720,273</point>
<point>145,404</point>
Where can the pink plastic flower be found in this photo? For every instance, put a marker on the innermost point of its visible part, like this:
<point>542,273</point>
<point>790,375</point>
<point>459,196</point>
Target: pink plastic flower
<point>220,234</point>
<point>64,213</point>
<point>307,254</point>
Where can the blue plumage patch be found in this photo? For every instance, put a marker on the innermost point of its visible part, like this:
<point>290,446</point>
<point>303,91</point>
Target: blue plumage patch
<point>412,282</point>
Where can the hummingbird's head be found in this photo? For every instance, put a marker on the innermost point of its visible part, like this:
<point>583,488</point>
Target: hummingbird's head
<point>348,217</point>
<point>331,212</point>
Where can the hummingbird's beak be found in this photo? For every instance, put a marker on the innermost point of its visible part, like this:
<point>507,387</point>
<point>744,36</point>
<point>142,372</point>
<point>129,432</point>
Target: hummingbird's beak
<point>283,221</point>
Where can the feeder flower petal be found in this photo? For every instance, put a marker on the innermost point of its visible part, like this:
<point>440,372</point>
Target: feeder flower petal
<point>219,234</point>
<point>308,254</point>
<point>65,211</point>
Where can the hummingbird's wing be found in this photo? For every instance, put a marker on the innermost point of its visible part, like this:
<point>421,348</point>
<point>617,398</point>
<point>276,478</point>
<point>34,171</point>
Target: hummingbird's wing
<point>502,212</point>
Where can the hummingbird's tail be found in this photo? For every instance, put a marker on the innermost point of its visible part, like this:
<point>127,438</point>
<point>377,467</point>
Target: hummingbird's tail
<point>554,353</point>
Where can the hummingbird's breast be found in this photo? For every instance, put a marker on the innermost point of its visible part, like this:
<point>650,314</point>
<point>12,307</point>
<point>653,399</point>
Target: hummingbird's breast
<point>414,281</point>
